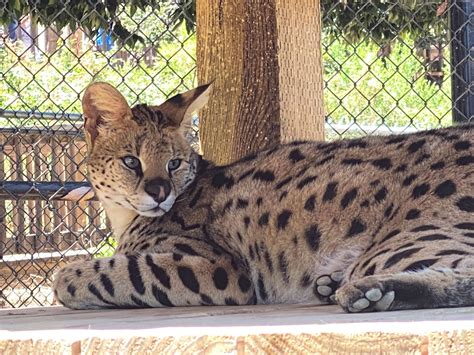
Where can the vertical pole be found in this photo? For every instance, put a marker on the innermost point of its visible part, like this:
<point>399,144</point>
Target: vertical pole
<point>264,58</point>
<point>462,54</point>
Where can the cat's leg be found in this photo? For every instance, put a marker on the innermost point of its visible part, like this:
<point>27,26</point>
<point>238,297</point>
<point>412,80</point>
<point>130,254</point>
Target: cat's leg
<point>428,288</point>
<point>152,280</point>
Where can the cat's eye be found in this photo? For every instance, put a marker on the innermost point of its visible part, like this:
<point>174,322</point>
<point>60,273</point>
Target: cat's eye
<point>174,164</point>
<point>131,162</point>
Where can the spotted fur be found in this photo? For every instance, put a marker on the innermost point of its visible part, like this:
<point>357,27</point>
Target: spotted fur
<point>378,223</point>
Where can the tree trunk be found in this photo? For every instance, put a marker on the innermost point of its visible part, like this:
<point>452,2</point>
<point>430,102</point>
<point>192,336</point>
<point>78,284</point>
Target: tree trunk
<point>264,57</point>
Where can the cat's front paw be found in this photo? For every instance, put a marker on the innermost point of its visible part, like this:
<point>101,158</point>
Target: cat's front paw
<point>365,295</point>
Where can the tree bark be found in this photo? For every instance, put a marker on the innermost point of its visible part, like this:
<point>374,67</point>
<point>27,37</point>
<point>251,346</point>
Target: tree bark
<point>264,58</point>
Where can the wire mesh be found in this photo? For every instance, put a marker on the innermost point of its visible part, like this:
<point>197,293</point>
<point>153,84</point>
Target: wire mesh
<point>378,78</point>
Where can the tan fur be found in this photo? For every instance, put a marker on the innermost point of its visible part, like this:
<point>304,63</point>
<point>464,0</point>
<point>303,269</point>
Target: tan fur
<point>386,221</point>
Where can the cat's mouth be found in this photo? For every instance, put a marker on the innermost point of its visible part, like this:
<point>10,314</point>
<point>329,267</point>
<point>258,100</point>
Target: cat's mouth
<point>152,212</point>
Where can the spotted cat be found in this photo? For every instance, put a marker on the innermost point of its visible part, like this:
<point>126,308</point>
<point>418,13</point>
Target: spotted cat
<point>373,224</point>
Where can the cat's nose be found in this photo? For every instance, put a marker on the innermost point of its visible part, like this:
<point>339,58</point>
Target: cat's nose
<point>158,188</point>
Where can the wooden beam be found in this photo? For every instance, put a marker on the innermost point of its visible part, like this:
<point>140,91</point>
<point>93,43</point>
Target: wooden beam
<point>275,329</point>
<point>264,58</point>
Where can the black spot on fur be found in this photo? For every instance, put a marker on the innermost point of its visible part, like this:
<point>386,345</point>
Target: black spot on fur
<point>390,235</point>
<point>107,283</point>
<point>466,204</point>
<point>438,166</point>
<point>348,197</point>
<point>381,194</point>
<point>206,299</point>
<point>331,192</point>
<point>177,257</point>
<point>325,160</point>
<point>357,144</point>
<point>351,161</point>
<point>434,236</point>
<point>312,236</point>
<point>220,180</point>
<point>388,210</point>
<point>246,174</point>
<point>416,146</point>
<point>79,272</point>
<point>424,228</point>
<point>409,179</point>
<point>264,175</point>
<point>268,260</point>
<point>310,202</point>
<point>251,253</point>
<point>420,265</point>
<point>465,160</point>
<point>356,227</point>
<point>422,158</point>
<point>305,280</point>
<point>420,190</point>
<point>161,296</point>
<point>364,203</point>
<point>246,221</point>
<point>462,145</point>
<point>283,266</point>
<point>241,203</point>
<point>296,156</point>
<point>160,273</point>
<point>395,258</point>
<point>71,289</point>
<point>244,283</point>
<point>92,289</point>
<point>263,220</point>
<point>227,206</point>
<point>188,278</point>
<point>401,168</point>
<point>135,275</point>
<point>306,181</point>
<point>384,163</point>
<point>186,249</point>
<point>466,225</point>
<point>229,301</point>
<point>283,218</point>
<point>262,291</point>
<point>220,278</point>
<point>445,189</point>
<point>259,201</point>
<point>452,252</point>
<point>370,271</point>
<point>413,214</point>
<point>283,183</point>
<point>196,197</point>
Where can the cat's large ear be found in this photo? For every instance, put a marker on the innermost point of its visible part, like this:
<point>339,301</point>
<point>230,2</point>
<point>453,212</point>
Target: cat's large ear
<point>102,104</point>
<point>180,108</point>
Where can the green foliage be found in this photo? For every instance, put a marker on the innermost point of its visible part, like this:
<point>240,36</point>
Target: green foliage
<point>371,91</point>
<point>89,15</point>
<point>105,248</point>
<point>55,83</point>
<point>382,21</point>
<point>377,20</point>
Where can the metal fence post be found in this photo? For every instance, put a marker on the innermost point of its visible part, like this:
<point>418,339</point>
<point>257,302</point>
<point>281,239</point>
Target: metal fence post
<point>462,54</point>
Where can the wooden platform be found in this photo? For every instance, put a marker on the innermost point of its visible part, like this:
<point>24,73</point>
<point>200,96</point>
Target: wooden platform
<point>236,330</point>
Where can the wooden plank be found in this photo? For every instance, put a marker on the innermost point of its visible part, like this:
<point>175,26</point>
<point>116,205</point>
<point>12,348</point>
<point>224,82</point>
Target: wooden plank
<point>269,329</point>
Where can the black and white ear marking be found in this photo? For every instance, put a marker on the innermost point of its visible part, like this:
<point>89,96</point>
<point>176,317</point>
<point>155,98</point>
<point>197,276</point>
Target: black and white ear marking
<point>180,108</point>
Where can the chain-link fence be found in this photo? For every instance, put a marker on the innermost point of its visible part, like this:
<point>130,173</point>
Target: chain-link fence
<point>381,75</point>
